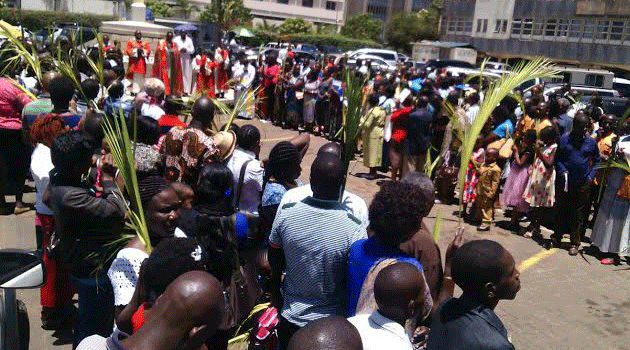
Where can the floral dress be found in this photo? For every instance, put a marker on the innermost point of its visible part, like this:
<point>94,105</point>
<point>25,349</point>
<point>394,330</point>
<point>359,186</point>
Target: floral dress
<point>472,176</point>
<point>540,190</point>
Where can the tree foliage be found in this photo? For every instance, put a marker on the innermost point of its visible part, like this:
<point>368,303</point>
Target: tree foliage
<point>160,8</point>
<point>404,29</point>
<point>226,13</point>
<point>363,26</point>
<point>267,27</point>
<point>294,26</point>
<point>185,7</point>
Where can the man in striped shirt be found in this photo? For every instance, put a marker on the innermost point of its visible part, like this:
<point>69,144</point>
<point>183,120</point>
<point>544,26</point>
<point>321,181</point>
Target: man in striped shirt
<point>310,241</point>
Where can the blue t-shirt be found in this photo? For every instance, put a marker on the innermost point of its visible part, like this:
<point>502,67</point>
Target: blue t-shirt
<point>504,127</point>
<point>363,255</point>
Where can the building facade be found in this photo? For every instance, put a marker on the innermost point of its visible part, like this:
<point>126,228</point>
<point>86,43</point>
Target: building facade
<point>331,12</point>
<point>587,32</point>
<point>385,9</point>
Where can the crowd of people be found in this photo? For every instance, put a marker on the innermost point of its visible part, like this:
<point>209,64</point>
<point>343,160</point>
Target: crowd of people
<point>230,228</point>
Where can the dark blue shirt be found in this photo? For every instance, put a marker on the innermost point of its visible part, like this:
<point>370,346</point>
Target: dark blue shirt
<point>577,157</point>
<point>464,323</point>
<point>565,122</point>
<point>419,131</point>
<point>363,255</point>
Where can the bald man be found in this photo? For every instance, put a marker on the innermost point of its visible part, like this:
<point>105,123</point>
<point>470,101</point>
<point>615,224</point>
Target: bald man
<point>184,317</point>
<point>333,332</point>
<point>399,294</point>
<point>355,205</point>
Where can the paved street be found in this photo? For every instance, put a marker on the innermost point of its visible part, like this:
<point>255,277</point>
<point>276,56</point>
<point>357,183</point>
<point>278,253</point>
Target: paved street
<point>564,303</point>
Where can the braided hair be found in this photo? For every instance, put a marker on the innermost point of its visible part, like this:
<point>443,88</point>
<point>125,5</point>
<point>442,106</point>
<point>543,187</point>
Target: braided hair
<point>149,187</point>
<point>46,128</point>
<point>284,158</point>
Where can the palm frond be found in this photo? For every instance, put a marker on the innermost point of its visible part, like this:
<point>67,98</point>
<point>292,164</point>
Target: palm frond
<point>429,165</point>
<point>437,227</point>
<point>351,122</point>
<point>23,89</point>
<point>117,137</point>
<point>523,71</point>
<point>22,53</point>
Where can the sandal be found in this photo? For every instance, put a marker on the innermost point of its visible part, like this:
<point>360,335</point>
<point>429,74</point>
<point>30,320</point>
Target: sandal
<point>21,210</point>
<point>573,250</point>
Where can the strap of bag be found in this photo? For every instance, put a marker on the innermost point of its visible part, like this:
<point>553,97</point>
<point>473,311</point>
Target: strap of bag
<point>239,186</point>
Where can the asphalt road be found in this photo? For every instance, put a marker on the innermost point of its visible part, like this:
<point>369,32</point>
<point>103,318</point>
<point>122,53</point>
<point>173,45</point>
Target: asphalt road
<point>565,302</point>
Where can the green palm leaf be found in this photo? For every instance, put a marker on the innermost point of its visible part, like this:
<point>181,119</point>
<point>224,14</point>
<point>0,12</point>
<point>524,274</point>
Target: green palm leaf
<point>351,123</point>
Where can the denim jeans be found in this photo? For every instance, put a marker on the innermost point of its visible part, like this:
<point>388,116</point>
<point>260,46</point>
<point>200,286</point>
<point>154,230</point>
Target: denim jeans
<point>96,307</point>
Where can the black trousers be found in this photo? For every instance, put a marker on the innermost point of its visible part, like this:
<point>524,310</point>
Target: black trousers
<point>286,330</point>
<point>572,213</point>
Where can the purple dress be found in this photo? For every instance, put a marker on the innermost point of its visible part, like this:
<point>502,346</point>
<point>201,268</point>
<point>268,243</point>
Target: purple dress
<point>516,182</point>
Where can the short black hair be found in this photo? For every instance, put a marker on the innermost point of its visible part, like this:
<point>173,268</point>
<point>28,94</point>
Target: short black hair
<point>61,91</point>
<point>396,212</point>
<point>93,125</point>
<point>248,136</point>
<point>171,258</point>
<point>548,132</point>
<point>147,130</point>
<point>71,149</point>
<point>172,105</point>
<point>116,89</point>
<point>90,88</point>
<point>373,100</point>
<point>476,263</point>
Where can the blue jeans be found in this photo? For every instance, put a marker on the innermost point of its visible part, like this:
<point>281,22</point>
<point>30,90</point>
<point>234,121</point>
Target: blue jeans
<point>96,307</point>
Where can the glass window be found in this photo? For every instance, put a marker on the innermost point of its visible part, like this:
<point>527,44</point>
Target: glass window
<point>479,25</point>
<point>538,27</point>
<point>452,25</point>
<point>602,30</point>
<point>283,1</point>
<point>596,80</point>
<point>468,26</point>
<point>550,27</point>
<point>307,3</point>
<point>575,28</point>
<point>504,26</point>
<point>516,26</point>
<point>497,26</point>
<point>616,30</point>
<point>331,5</point>
<point>563,28</point>
<point>589,29</point>
<point>460,25</point>
<point>527,26</point>
<point>485,25</point>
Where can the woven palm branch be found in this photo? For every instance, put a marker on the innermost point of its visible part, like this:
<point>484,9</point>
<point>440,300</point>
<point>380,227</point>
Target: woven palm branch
<point>523,71</point>
<point>117,136</point>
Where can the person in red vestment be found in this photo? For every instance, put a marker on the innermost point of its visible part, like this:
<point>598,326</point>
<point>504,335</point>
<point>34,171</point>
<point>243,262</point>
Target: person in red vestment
<point>222,60</point>
<point>138,51</point>
<point>204,67</point>
<point>167,66</point>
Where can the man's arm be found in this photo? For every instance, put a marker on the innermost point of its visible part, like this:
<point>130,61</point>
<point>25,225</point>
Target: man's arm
<point>277,263</point>
<point>596,158</point>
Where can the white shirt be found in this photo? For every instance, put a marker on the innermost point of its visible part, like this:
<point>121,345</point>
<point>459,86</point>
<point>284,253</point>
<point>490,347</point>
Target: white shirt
<point>124,272</point>
<point>355,205</point>
<point>41,165</point>
<point>471,114</point>
<point>151,110</point>
<point>184,44</point>
<point>389,104</point>
<point>243,74</point>
<point>379,332</point>
<point>252,180</point>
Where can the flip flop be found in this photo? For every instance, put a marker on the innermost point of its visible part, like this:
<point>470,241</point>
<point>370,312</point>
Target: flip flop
<point>21,210</point>
<point>607,261</point>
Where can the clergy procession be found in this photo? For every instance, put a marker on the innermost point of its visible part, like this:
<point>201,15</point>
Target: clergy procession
<point>174,64</point>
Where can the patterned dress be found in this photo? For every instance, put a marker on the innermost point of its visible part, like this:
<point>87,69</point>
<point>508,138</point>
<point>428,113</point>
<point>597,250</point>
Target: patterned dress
<point>540,190</point>
<point>472,177</point>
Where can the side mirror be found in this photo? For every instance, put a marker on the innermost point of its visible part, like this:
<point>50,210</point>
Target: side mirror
<point>20,269</point>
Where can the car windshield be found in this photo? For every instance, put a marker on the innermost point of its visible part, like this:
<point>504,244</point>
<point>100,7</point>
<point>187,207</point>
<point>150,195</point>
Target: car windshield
<point>385,55</point>
<point>458,64</point>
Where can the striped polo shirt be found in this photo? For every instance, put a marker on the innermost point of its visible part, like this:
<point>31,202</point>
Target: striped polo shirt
<point>33,109</point>
<point>315,236</point>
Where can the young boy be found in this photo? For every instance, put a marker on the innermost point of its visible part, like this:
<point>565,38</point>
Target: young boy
<point>487,187</point>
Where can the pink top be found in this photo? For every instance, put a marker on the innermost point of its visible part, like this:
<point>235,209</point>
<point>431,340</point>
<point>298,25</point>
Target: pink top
<point>12,101</point>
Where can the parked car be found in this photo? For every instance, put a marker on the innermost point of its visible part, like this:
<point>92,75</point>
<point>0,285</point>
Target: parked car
<point>622,86</point>
<point>376,62</point>
<point>439,64</point>
<point>389,56</point>
<point>307,47</point>
<point>584,91</point>
<point>300,56</point>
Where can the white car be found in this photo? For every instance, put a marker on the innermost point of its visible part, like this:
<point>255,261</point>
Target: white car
<point>389,56</point>
<point>376,63</point>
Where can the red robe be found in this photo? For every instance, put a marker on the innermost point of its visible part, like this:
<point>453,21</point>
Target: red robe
<point>137,64</point>
<point>205,76</point>
<point>160,68</point>
<point>222,76</point>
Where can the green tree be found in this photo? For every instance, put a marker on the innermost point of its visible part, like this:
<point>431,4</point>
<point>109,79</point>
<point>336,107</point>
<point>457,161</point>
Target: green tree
<point>186,8</point>
<point>404,29</point>
<point>323,29</point>
<point>159,8</point>
<point>226,13</point>
<point>294,26</point>
<point>267,27</point>
<point>363,26</point>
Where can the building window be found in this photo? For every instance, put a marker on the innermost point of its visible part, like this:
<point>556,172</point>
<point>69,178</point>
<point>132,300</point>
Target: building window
<point>452,25</point>
<point>307,3</point>
<point>596,80</point>
<point>538,27</point>
<point>602,30</point>
<point>563,28</point>
<point>460,25</point>
<point>468,26</point>
<point>331,5</point>
<point>479,25</point>
<point>485,25</point>
<point>497,26</point>
<point>550,27</point>
<point>444,24</point>
<point>575,29</point>
<point>504,26</point>
<point>527,26</point>
<point>283,1</point>
<point>616,30</point>
<point>588,29</point>
<point>516,26</point>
